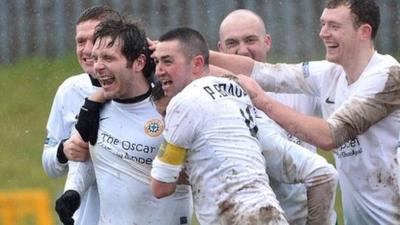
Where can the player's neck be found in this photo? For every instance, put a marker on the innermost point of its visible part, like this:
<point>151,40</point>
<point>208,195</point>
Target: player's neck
<point>356,66</point>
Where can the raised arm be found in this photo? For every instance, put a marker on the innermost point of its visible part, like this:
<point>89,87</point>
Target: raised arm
<point>237,64</point>
<point>310,129</point>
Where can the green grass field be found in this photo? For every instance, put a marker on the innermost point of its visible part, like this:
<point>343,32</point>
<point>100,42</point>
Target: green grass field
<point>27,90</point>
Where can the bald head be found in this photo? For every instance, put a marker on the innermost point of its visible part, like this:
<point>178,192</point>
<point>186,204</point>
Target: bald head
<point>243,32</point>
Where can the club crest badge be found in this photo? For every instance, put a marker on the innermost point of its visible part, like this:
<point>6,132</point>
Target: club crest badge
<point>154,127</point>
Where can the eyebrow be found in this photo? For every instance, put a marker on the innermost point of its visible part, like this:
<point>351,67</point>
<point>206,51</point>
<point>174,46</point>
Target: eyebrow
<point>164,57</point>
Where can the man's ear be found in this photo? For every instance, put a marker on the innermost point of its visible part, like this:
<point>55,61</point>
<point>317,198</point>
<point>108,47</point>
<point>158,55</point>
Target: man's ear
<point>365,31</point>
<point>139,63</point>
<point>268,41</point>
<point>219,45</point>
<point>198,64</point>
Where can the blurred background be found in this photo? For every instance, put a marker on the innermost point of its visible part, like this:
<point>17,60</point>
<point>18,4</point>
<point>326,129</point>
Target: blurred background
<point>37,54</point>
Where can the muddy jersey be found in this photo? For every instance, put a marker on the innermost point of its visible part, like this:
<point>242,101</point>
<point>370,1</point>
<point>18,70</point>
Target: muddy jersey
<point>289,163</point>
<point>129,137</point>
<point>66,105</point>
<point>364,118</point>
<point>212,120</point>
<point>293,197</point>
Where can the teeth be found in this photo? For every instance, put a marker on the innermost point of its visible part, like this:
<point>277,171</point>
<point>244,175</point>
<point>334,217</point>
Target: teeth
<point>106,81</point>
<point>165,82</point>
<point>88,59</point>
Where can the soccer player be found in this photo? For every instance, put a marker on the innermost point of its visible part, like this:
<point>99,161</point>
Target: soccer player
<point>288,163</point>
<point>361,108</point>
<point>243,32</point>
<point>59,147</point>
<point>129,132</point>
<point>210,125</point>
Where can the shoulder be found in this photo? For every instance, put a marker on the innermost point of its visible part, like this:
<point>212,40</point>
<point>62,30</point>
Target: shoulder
<point>78,84</point>
<point>80,80</point>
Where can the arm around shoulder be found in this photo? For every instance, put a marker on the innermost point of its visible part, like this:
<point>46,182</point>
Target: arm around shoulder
<point>237,64</point>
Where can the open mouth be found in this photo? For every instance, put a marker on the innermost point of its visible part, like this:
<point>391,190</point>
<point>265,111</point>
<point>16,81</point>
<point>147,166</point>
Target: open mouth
<point>88,60</point>
<point>166,83</point>
<point>106,81</point>
<point>332,45</point>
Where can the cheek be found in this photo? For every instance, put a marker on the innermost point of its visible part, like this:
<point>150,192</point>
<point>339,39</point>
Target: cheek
<point>79,51</point>
<point>230,50</point>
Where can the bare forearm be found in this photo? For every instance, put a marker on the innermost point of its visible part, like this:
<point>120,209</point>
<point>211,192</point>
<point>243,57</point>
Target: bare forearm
<point>309,129</point>
<point>235,63</point>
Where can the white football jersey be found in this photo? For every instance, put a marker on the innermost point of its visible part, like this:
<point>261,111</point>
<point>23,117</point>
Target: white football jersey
<point>367,110</point>
<point>213,119</point>
<point>129,137</point>
<point>67,102</point>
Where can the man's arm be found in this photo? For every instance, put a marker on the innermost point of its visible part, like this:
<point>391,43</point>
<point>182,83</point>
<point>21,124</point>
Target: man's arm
<point>290,163</point>
<point>310,129</point>
<point>166,169</point>
<point>237,64</point>
<point>80,177</point>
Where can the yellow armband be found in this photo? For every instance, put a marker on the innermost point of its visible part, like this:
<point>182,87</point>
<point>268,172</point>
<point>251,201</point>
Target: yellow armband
<point>172,154</point>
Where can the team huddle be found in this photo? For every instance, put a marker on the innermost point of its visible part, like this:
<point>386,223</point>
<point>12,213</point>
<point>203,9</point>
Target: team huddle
<point>154,131</point>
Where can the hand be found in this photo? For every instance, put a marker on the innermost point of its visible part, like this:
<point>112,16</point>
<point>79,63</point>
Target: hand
<point>88,121</point>
<point>98,96</point>
<point>152,44</point>
<point>66,206</point>
<point>76,149</point>
<point>256,93</point>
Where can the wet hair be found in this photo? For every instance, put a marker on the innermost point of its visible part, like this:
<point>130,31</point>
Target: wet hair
<point>132,39</point>
<point>191,41</point>
<point>100,13</point>
<point>364,12</point>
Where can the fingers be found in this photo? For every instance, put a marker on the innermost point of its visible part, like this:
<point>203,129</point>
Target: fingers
<point>76,149</point>
<point>98,96</point>
<point>152,44</point>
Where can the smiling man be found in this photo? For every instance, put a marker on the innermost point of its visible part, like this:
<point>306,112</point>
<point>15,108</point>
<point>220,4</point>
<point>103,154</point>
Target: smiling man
<point>243,32</point>
<point>60,150</point>
<point>361,107</point>
<point>129,133</point>
<point>210,129</point>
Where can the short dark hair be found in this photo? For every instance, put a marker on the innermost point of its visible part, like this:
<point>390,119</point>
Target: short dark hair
<point>191,41</point>
<point>364,11</point>
<point>100,12</point>
<point>133,41</point>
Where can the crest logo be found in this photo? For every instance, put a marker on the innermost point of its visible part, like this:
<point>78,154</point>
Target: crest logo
<point>154,127</point>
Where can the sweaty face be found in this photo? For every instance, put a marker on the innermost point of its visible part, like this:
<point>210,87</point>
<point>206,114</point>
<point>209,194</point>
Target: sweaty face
<point>340,37</point>
<point>244,37</point>
<point>173,70</point>
<point>111,69</point>
<point>84,44</point>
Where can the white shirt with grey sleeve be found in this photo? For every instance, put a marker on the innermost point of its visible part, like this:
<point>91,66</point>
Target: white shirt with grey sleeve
<point>364,118</point>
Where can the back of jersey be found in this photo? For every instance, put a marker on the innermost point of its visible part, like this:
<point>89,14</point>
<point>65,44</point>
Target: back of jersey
<point>214,118</point>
